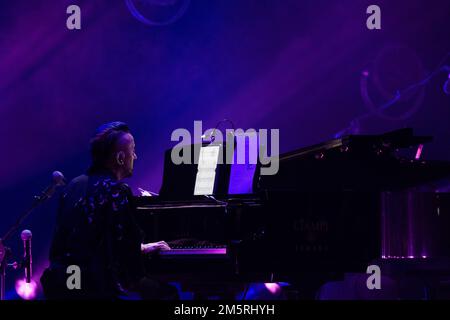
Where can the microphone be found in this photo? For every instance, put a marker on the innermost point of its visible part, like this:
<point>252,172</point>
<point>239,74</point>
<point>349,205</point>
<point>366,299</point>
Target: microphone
<point>27,261</point>
<point>57,180</point>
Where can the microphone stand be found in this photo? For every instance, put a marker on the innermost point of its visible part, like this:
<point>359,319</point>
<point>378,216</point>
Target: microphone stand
<point>5,252</point>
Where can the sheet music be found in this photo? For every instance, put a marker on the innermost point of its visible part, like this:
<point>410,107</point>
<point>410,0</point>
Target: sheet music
<point>206,174</point>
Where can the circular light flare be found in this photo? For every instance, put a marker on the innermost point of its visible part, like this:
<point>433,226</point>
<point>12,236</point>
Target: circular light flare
<point>26,291</point>
<point>146,11</point>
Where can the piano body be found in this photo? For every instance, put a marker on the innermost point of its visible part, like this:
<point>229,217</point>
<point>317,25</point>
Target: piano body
<point>332,208</point>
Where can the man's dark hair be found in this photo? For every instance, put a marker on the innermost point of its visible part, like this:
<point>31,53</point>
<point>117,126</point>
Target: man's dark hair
<point>103,144</point>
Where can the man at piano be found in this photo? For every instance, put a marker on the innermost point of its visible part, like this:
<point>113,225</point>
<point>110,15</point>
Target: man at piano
<point>96,228</point>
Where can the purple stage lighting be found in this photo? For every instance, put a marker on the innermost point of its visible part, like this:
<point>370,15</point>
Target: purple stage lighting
<point>273,288</point>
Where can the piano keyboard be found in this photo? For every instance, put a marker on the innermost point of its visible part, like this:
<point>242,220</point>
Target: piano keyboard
<point>194,251</point>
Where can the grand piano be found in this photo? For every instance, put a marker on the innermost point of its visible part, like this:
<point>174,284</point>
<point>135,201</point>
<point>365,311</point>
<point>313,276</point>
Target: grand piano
<point>332,208</point>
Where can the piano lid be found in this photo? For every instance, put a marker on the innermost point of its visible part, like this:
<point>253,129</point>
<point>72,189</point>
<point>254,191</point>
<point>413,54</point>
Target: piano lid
<point>355,163</point>
<point>397,139</point>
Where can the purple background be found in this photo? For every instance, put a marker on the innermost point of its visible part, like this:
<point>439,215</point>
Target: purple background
<point>293,65</point>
